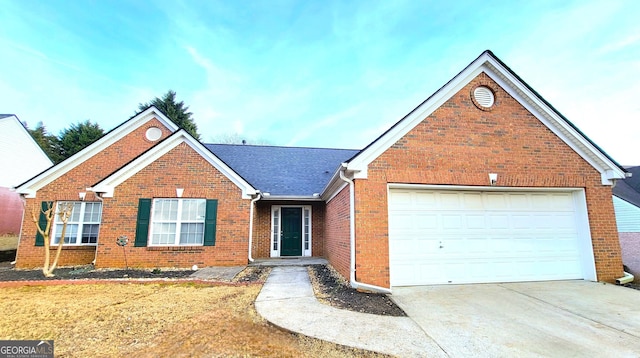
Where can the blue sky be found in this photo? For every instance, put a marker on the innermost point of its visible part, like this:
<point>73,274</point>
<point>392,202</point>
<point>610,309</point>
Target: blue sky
<point>314,73</point>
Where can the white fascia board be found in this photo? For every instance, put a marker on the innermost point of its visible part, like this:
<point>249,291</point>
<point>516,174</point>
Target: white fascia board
<point>27,193</point>
<point>110,138</point>
<point>291,198</point>
<point>480,188</point>
<point>359,164</point>
<point>107,186</point>
<point>335,192</point>
<point>336,184</point>
<point>329,190</point>
<point>608,170</point>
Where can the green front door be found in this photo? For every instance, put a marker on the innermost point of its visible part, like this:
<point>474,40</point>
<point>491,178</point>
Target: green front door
<point>291,238</point>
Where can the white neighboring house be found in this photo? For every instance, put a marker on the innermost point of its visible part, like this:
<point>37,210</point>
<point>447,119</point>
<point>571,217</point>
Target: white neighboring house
<point>626,203</point>
<point>21,158</point>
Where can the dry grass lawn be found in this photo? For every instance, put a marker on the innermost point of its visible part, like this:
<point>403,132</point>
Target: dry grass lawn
<point>8,242</point>
<point>152,320</point>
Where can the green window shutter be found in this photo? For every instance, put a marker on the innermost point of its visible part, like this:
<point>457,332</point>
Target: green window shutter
<point>42,221</point>
<point>210,223</point>
<point>142,225</point>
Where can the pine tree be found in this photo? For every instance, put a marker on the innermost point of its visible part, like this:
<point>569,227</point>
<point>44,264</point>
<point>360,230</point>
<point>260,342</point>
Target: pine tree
<point>176,111</point>
<point>48,142</point>
<point>78,136</point>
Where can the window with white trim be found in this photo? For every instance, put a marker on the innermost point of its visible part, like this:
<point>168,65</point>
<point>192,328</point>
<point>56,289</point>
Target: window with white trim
<point>177,222</point>
<point>82,226</point>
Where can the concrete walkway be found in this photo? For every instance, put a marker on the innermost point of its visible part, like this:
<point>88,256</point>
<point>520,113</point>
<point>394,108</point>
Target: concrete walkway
<point>287,301</point>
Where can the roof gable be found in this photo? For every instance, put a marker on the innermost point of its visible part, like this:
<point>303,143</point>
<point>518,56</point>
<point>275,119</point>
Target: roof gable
<point>31,186</point>
<point>488,63</point>
<point>107,185</point>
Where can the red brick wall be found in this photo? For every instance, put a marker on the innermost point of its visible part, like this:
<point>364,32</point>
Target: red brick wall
<point>337,235</point>
<point>182,167</point>
<point>69,185</point>
<point>630,244</point>
<point>317,230</point>
<point>262,230</point>
<point>262,227</point>
<point>459,144</point>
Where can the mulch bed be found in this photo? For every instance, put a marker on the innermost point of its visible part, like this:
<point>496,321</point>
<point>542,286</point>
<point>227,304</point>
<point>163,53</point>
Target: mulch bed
<point>88,272</point>
<point>332,289</point>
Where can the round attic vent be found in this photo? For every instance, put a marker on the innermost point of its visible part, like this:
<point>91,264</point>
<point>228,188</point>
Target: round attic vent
<point>153,134</point>
<point>484,96</point>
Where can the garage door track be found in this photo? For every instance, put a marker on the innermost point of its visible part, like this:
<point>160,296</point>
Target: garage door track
<point>551,319</point>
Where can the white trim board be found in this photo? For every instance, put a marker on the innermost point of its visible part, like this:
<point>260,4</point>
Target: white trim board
<point>277,235</point>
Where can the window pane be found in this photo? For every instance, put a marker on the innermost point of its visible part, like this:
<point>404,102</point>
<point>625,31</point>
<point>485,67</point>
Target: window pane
<point>56,238</point>
<point>276,228</point>
<point>90,233</point>
<point>75,214</point>
<point>165,210</point>
<point>191,234</point>
<point>193,210</point>
<point>69,236</point>
<point>163,234</point>
<point>92,212</point>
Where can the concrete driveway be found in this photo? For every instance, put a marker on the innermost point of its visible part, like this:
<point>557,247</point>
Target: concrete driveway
<point>550,319</point>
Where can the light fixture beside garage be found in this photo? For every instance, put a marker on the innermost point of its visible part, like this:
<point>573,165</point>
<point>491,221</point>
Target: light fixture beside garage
<point>493,179</point>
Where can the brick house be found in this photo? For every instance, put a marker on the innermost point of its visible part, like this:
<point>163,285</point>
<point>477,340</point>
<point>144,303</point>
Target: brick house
<point>483,182</point>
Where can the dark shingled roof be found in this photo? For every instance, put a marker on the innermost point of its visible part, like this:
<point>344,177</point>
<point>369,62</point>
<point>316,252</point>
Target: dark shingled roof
<point>287,171</point>
<point>629,188</point>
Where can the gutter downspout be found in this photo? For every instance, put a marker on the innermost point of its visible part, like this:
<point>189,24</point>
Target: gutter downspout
<point>95,257</point>
<point>352,240</point>
<point>253,201</point>
<point>624,279</point>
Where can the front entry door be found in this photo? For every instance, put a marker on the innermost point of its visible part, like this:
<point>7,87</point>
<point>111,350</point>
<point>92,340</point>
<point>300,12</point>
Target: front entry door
<point>291,237</point>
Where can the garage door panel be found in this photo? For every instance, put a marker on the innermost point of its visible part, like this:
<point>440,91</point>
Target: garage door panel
<point>475,222</point>
<point>424,199</point>
<point>498,221</point>
<point>469,237</point>
<point>406,273</point>
<point>472,201</point>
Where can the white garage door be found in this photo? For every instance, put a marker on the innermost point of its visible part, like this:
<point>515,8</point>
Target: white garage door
<point>446,236</point>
